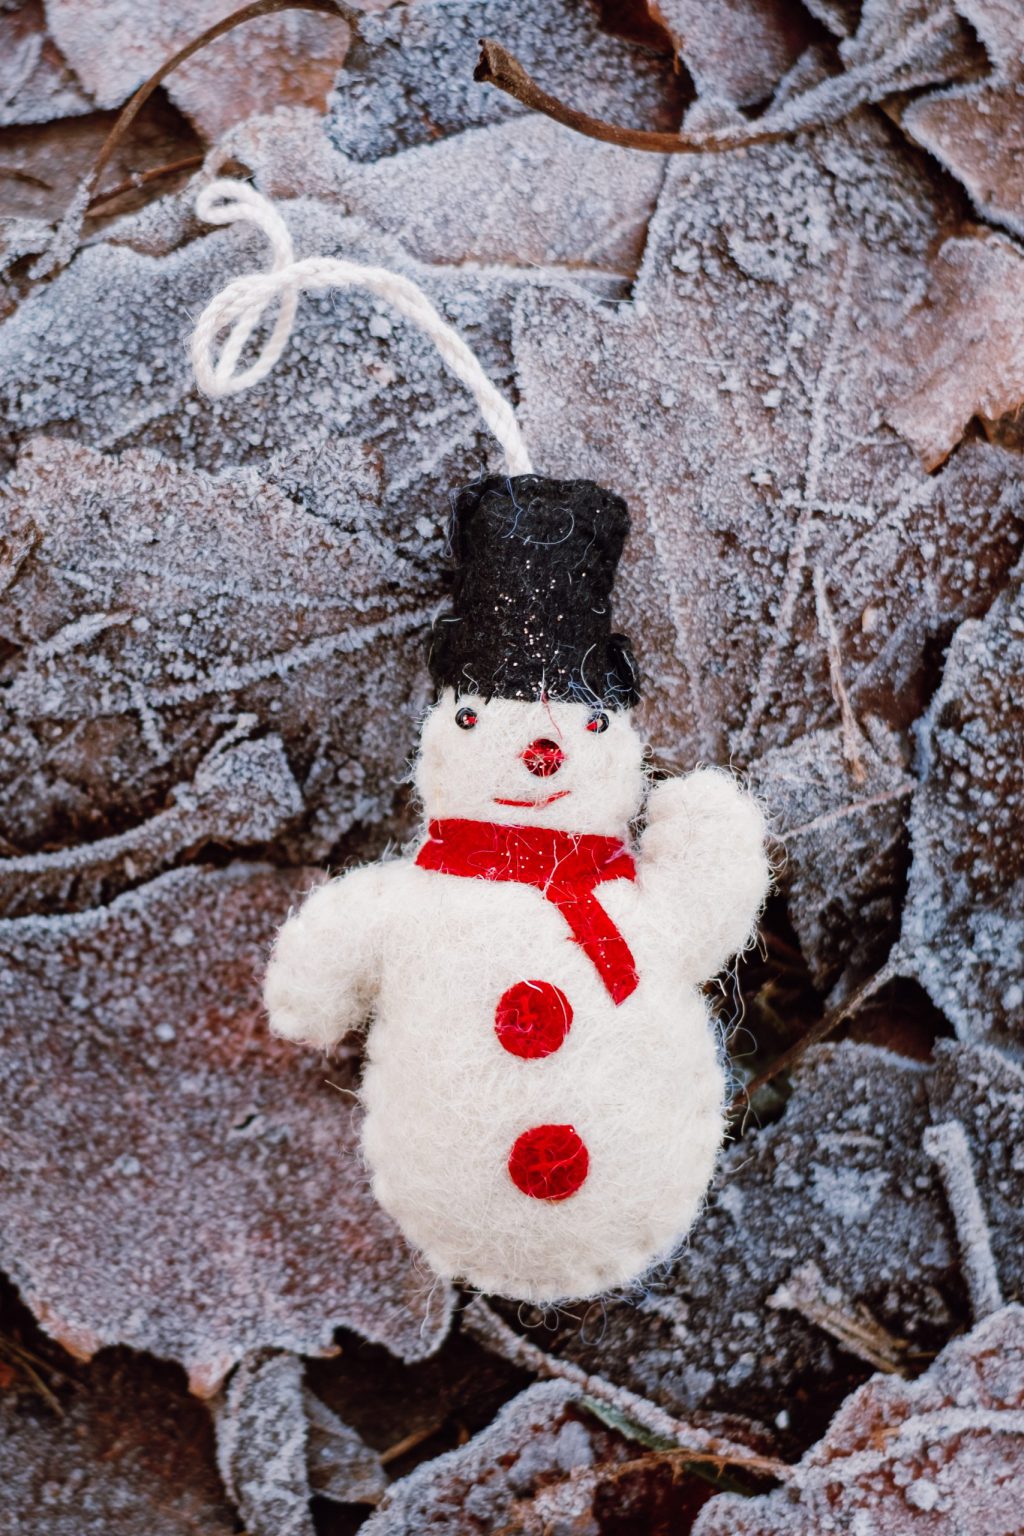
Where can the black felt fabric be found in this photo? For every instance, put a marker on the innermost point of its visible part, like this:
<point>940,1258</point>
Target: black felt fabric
<point>535,561</point>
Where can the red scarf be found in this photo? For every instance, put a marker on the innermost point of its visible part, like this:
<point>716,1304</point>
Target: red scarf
<point>564,867</point>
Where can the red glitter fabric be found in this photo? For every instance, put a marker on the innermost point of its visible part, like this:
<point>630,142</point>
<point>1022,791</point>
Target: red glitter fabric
<point>549,1162</point>
<point>564,866</point>
<point>532,1019</point>
<point>543,757</point>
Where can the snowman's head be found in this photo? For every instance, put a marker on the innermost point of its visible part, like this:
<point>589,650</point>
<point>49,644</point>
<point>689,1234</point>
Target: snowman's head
<point>550,763</point>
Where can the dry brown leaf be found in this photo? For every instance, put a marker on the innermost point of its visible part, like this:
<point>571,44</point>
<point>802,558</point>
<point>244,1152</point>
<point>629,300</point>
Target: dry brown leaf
<point>736,50</point>
<point>921,1458</point>
<point>840,1180</point>
<point>287,59</point>
<point>277,1444</point>
<point>737,406</point>
<point>977,131</point>
<point>172,1179</point>
<point>43,164</point>
<point>961,349</point>
<point>844,841</point>
<point>544,1465</point>
<point>408,78</point>
<point>181,634</point>
<point>125,1452</point>
<point>36,84</point>
<point>963,922</point>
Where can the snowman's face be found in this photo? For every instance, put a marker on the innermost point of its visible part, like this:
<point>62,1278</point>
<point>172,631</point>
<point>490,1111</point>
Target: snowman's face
<point>531,763</point>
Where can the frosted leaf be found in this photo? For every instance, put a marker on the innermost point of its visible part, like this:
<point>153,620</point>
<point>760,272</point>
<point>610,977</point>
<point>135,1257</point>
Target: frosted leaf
<point>408,77</point>
<point>984,1092</point>
<point>562,199</point>
<point>101,354</point>
<point>173,1179</point>
<point>36,84</point>
<point>963,924</point>
<point>128,1454</point>
<point>277,1444</point>
<point>940,1454</point>
<point>539,1439</point>
<point>46,163</point>
<point>342,1467</point>
<point>182,630</point>
<point>936,44</point>
<point>962,347</point>
<point>19,237</point>
<point>737,406</point>
<point>262,1446</point>
<point>844,839</point>
<point>840,1181</point>
<point>242,794</point>
<point>946,1142</point>
<point>839,16</point>
<point>977,131</point>
<point>286,60</point>
<point>735,50</point>
<point>290,58</point>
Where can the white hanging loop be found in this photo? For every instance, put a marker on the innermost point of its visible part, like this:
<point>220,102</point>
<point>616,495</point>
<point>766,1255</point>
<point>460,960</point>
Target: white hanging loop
<point>240,307</point>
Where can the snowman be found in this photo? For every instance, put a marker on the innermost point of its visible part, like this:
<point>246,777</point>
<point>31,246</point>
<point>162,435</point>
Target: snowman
<point>543,1090</point>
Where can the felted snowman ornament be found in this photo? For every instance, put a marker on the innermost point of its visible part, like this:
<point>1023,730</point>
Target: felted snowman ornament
<point>543,1090</point>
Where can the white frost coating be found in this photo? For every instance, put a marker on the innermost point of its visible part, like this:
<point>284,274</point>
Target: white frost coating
<point>947,1144</point>
<point>430,955</point>
<point>242,304</point>
<point>489,1330</point>
<point>908,1458</point>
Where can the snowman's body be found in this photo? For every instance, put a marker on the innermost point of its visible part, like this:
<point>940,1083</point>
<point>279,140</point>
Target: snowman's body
<point>431,955</point>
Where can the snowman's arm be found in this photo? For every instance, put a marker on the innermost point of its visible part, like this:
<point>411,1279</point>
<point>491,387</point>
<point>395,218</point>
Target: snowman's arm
<point>325,968</point>
<point>703,861</point>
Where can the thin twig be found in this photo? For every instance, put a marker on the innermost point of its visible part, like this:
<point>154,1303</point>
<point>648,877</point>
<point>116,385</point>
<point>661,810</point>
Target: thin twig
<point>818,1032</point>
<point>409,1442</point>
<point>141,179</point>
<point>32,1367</point>
<point>132,107</point>
<point>848,1322</point>
<point>873,79</point>
<point>829,630</point>
<point>489,1330</point>
<point>500,68</point>
<point>947,1145</point>
<point>66,237</point>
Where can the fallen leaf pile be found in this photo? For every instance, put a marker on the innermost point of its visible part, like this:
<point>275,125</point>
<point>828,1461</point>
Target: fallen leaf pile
<point>802,363</point>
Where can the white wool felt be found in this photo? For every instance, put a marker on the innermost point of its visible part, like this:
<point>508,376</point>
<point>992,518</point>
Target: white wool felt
<point>430,954</point>
<point>600,785</point>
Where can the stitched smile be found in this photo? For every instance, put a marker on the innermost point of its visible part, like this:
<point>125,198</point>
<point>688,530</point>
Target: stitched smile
<point>535,804</point>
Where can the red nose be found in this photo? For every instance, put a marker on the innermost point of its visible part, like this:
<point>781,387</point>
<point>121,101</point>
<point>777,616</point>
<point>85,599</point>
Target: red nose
<point>543,757</point>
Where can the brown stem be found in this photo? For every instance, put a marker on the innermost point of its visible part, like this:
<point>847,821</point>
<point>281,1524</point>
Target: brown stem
<point>141,179</point>
<point>498,67</point>
<point>694,1444</point>
<point>132,108</point>
<point>66,238</point>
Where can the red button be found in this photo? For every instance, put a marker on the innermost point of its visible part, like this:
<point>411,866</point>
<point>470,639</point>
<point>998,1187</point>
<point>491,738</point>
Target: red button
<point>549,1162</point>
<point>532,1019</point>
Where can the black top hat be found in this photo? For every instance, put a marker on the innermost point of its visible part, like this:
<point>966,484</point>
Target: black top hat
<point>535,561</point>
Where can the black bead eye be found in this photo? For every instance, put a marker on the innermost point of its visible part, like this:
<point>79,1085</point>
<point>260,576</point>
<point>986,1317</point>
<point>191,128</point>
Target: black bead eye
<point>466,718</point>
<point>598,723</point>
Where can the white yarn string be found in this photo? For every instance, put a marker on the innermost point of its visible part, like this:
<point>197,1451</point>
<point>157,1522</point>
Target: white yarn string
<point>241,306</point>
